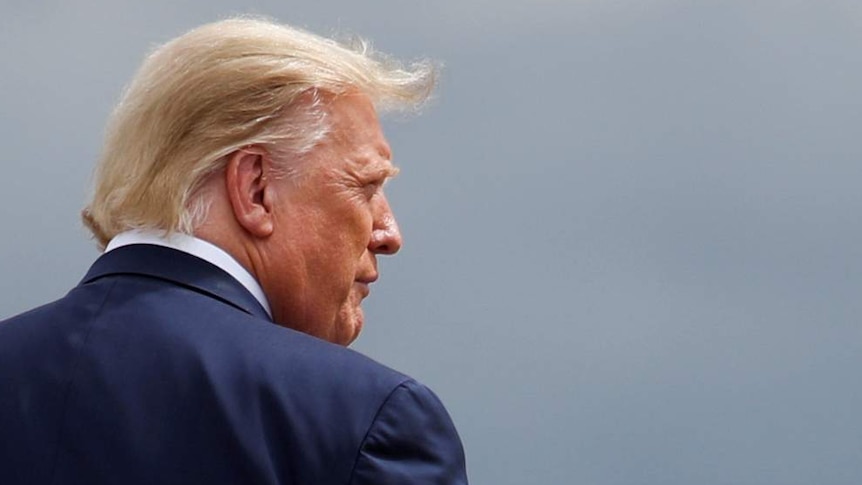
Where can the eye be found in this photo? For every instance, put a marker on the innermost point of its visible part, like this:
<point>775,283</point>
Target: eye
<point>372,188</point>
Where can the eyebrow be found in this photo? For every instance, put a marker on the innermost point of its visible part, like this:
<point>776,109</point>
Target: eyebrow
<point>392,171</point>
<point>382,170</point>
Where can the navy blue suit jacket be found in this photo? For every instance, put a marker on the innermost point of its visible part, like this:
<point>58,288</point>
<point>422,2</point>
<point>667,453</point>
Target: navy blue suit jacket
<point>160,368</point>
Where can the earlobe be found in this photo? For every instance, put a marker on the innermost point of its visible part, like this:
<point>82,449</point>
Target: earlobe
<point>247,187</point>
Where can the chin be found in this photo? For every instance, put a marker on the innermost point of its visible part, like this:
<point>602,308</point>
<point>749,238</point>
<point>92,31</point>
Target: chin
<point>349,326</point>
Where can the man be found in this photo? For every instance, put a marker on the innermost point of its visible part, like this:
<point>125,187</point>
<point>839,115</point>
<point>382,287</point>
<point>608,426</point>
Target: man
<point>240,201</point>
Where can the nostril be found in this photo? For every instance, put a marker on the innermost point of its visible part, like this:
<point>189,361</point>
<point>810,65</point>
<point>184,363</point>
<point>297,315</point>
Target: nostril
<point>386,241</point>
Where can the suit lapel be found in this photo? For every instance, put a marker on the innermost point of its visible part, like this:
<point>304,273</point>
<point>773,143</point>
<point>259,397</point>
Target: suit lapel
<point>179,268</point>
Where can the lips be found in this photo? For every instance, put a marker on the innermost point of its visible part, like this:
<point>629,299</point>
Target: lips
<point>363,282</point>
<point>368,279</point>
<point>362,289</point>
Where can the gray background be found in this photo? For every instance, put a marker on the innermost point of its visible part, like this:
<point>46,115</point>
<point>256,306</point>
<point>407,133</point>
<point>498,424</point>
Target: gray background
<point>633,252</point>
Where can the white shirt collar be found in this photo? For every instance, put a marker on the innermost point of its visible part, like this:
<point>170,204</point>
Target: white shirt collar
<point>196,247</point>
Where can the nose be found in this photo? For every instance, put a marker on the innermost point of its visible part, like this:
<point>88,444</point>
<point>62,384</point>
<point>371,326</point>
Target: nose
<point>385,235</point>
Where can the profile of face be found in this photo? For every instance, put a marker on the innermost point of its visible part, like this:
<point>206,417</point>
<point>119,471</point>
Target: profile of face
<point>330,221</point>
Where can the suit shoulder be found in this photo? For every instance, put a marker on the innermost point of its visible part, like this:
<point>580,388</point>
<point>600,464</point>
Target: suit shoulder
<point>412,440</point>
<point>286,348</point>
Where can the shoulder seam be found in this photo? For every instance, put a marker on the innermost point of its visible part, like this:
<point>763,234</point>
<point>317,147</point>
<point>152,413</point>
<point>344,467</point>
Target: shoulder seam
<point>402,384</point>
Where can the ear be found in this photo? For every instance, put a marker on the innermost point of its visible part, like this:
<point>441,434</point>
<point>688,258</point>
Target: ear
<point>248,190</point>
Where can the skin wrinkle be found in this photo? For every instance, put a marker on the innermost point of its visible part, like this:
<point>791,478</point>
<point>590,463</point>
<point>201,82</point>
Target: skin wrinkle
<point>312,241</point>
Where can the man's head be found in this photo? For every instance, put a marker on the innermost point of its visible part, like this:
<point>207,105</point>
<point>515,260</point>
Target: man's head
<point>263,140</point>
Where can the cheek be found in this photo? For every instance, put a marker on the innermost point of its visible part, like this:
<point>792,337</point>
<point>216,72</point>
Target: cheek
<point>341,235</point>
<point>357,227</point>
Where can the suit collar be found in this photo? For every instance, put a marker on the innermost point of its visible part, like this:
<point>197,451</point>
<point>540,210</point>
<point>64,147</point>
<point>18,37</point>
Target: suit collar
<point>196,247</point>
<point>177,267</point>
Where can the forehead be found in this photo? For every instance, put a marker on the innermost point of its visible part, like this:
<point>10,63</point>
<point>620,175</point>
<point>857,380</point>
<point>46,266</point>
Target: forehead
<point>356,133</point>
<point>354,123</point>
<point>354,146</point>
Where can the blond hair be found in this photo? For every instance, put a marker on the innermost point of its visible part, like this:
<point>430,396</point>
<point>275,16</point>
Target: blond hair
<point>215,89</point>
